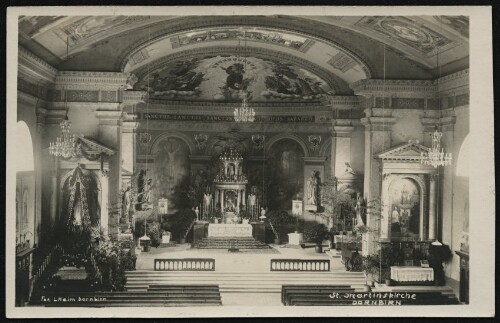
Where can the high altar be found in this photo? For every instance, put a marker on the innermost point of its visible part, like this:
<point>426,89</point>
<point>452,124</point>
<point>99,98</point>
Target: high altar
<point>230,186</point>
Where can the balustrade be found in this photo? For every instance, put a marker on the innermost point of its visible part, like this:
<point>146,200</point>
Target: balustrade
<point>185,264</point>
<point>300,265</point>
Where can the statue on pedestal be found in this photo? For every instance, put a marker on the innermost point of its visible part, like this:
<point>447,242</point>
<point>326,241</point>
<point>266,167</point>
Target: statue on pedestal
<point>312,189</point>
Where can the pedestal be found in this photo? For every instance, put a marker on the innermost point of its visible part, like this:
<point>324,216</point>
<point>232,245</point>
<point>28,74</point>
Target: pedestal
<point>259,231</point>
<point>295,239</point>
<point>311,208</point>
<point>200,230</point>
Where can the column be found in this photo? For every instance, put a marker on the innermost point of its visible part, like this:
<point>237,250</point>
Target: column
<point>238,200</point>
<point>378,123</point>
<point>244,196</point>
<point>432,208</point>
<point>104,200</point>
<point>110,135</point>
<point>385,221</point>
<point>222,201</point>
<point>342,147</point>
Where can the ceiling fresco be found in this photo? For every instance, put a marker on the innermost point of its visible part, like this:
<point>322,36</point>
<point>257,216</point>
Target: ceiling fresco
<point>295,42</point>
<point>30,26</point>
<point>92,26</point>
<point>346,46</point>
<point>404,30</point>
<point>458,23</point>
<point>230,78</point>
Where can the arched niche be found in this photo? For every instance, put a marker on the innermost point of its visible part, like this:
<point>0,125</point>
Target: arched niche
<point>170,170</point>
<point>63,184</point>
<point>80,188</point>
<point>187,140</point>
<point>284,173</point>
<point>405,201</point>
<point>24,148</point>
<point>293,137</point>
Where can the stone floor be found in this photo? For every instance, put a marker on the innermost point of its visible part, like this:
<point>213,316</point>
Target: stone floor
<point>245,260</point>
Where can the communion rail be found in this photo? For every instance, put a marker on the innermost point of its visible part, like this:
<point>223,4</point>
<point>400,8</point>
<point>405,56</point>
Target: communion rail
<point>185,264</point>
<point>300,265</point>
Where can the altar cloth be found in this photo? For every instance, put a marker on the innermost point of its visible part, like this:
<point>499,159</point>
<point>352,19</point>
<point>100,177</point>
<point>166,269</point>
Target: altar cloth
<point>411,274</point>
<point>229,230</point>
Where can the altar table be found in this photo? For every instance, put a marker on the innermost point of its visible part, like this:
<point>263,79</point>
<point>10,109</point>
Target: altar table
<point>411,274</point>
<point>229,230</point>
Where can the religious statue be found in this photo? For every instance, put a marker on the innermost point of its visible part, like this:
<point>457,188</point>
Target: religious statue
<point>207,202</point>
<point>312,189</point>
<point>286,157</point>
<point>145,195</point>
<point>360,209</point>
<point>126,203</point>
<point>197,212</point>
<point>252,198</point>
<point>349,170</point>
<point>262,214</point>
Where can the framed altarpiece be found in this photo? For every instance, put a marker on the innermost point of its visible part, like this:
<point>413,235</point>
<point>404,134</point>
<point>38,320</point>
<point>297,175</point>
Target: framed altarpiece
<point>408,195</point>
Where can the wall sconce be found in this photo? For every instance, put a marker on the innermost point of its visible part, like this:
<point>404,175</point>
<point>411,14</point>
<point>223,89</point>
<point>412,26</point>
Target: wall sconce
<point>201,140</point>
<point>315,140</point>
<point>258,141</point>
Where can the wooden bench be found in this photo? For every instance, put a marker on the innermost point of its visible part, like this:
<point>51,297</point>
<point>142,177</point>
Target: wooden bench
<point>320,296</point>
<point>156,295</point>
<point>288,291</point>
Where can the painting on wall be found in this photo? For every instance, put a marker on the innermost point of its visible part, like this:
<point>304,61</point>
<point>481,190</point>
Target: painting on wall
<point>230,79</point>
<point>404,208</point>
<point>284,174</point>
<point>170,169</point>
<point>296,42</point>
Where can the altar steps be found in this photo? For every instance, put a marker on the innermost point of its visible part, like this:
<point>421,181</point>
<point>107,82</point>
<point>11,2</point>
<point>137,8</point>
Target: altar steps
<point>230,242</point>
<point>243,282</point>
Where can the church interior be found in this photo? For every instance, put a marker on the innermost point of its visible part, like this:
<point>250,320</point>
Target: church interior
<point>281,146</point>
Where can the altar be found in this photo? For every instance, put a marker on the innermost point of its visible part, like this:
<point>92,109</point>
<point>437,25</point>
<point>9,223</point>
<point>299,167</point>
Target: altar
<point>229,230</point>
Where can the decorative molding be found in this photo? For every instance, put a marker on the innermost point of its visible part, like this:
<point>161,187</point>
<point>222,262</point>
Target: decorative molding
<point>133,97</point>
<point>269,143</point>
<point>409,152</point>
<point>224,107</point>
<point>82,80</point>
<point>34,66</point>
<point>399,88</point>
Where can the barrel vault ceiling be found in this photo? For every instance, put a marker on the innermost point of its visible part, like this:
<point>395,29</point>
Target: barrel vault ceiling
<point>330,51</point>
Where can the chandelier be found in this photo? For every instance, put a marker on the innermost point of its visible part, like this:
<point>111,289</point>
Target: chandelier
<point>244,113</point>
<point>436,155</point>
<point>64,146</point>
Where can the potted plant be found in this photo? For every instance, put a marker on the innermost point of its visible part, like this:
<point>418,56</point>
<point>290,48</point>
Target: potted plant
<point>316,233</point>
<point>277,221</point>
